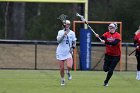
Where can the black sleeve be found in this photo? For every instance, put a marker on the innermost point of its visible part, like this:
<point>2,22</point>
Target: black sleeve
<point>115,42</point>
<point>102,37</point>
<point>135,43</point>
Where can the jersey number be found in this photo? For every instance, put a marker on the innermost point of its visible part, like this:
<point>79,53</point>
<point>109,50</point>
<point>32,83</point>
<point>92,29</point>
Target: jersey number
<point>67,41</point>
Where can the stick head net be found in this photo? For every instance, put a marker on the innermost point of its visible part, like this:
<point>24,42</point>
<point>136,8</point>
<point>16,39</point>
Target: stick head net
<point>62,18</point>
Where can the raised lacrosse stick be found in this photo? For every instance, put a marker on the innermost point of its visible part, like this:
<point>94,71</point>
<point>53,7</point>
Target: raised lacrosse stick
<point>132,52</point>
<point>62,18</point>
<point>83,19</point>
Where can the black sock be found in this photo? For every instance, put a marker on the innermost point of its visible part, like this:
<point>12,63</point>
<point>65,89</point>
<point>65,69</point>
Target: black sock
<point>109,75</point>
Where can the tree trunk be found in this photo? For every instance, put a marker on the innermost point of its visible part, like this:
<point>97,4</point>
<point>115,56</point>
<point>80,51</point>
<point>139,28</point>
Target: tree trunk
<point>6,20</point>
<point>16,21</point>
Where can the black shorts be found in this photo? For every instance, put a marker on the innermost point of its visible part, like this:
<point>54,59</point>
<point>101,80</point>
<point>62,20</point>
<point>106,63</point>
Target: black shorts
<point>110,62</point>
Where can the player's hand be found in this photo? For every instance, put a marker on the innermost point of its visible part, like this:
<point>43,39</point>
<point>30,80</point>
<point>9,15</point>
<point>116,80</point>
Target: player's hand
<point>103,41</point>
<point>96,35</point>
<point>71,50</point>
<point>66,32</point>
<point>137,47</point>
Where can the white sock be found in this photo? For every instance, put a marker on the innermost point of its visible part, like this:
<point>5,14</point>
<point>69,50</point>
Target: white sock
<point>68,71</point>
<point>139,73</point>
<point>62,78</point>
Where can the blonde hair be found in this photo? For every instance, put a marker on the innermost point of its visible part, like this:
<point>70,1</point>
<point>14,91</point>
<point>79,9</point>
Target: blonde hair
<point>138,31</point>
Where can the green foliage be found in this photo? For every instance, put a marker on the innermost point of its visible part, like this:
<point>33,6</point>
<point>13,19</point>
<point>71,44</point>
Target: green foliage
<point>126,11</point>
<point>2,21</point>
<point>46,25</point>
<point>41,18</point>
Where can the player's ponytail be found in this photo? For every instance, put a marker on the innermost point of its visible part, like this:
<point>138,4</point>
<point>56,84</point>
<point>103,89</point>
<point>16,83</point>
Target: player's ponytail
<point>116,26</point>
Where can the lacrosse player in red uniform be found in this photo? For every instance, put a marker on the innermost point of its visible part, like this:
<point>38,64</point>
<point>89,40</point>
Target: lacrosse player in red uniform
<point>67,42</point>
<point>111,39</point>
<point>137,44</point>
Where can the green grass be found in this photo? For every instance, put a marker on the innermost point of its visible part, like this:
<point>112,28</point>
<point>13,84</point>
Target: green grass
<point>46,81</point>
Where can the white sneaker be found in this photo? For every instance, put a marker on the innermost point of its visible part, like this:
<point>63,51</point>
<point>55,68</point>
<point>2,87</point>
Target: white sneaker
<point>105,84</point>
<point>137,76</point>
<point>69,76</point>
<point>62,82</point>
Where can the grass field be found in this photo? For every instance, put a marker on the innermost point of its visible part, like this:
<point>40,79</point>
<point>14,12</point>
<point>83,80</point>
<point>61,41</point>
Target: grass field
<point>47,81</point>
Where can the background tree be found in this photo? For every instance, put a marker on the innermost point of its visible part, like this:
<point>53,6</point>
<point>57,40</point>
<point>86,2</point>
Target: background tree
<point>38,21</point>
<point>14,20</point>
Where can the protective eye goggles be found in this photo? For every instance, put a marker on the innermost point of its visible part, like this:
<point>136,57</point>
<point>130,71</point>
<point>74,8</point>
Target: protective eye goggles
<point>110,27</point>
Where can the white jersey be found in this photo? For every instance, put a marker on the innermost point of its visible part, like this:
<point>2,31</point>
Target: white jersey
<point>63,49</point>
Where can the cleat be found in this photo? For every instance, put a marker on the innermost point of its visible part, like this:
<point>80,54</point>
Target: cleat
<point>137,76</point>
<point>62,82</point>
<point>105,84</point>
<point>69,76</point>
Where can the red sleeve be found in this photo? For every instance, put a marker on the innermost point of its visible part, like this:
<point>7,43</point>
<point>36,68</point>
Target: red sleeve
<point>118,36</point>
<point>135,38</point>
<point>105,34</point>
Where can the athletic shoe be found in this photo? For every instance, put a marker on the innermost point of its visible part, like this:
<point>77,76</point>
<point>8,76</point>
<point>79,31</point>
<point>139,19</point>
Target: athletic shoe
<point>105,84</point>
<point>62,82</point>
<point>69,76</point>
<point>137,76</point>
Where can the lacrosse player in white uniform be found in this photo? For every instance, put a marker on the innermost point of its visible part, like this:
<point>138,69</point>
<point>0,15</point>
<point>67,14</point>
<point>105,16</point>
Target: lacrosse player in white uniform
<point>66,43</point>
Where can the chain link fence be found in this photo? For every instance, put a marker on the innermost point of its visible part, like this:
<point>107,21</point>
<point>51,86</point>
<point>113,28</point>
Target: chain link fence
<point>34,54</point>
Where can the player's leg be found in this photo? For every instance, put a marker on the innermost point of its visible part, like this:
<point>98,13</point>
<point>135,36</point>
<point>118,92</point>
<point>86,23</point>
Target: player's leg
<point>138,67</point>
<point>106,63</point>
<point>69,67</point>
<point>113,64</point>
<point>106,67</point>
<point>61,64</point>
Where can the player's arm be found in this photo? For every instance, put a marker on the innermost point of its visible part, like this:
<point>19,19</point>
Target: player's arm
<point>102,37</point>
<point>135,40</point>
<point>74,41</point>
<point>115,42</point>
<point>73,44</point>
<point>60,36</point>
<point>136,44</point>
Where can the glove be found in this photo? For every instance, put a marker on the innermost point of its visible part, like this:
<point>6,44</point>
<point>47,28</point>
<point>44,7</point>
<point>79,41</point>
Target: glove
<point>71,50</point>
<point>137,47</point>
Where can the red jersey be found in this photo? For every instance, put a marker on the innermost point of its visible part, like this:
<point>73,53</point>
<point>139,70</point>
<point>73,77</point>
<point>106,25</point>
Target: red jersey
<point>110,49</point>
<point>137,39</point>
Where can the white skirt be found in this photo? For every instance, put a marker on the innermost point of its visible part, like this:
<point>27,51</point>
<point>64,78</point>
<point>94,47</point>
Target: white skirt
<point>63,56</point>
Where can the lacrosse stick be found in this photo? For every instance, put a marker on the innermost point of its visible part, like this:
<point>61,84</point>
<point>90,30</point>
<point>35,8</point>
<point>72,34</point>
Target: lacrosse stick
<point>62,18</point>
<point>83,19</point>
<point>132,52</point>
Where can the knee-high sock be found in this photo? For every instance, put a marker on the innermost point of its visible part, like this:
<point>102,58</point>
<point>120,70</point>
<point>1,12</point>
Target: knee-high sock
<point>109,75</point>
